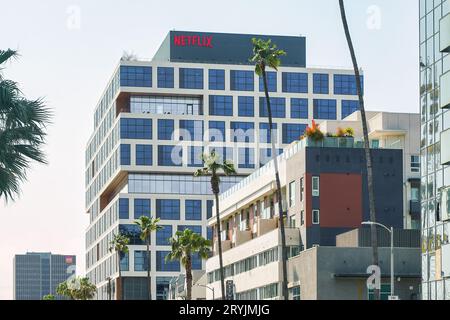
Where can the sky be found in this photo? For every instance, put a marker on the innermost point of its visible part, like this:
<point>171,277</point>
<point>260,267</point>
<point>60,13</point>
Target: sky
<point>69,50</point>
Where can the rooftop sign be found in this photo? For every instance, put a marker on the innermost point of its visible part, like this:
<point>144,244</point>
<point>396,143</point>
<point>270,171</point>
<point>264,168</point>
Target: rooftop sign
<point>196,40</point>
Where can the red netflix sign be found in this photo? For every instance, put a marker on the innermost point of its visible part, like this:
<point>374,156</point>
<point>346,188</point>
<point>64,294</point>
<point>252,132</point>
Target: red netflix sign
<point>193,41</point>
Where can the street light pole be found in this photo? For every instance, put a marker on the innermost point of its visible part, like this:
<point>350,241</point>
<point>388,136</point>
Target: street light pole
<point>391,231</point>
<point>207,287</point>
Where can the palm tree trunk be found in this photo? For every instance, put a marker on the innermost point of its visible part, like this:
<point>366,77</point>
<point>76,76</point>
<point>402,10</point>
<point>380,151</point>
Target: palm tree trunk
<point>188,277</point>
<point>370,187</point>
<point>215,189</point>
<point>148,270</point>
<point>284,289</point>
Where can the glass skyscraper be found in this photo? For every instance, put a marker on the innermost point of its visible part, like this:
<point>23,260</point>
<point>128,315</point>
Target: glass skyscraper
<point>435,145</point>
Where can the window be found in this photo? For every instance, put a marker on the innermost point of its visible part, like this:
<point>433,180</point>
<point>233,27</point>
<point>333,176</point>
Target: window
<point>242,131</point>
<point>168,209</point>
<point>320,83</point>
<point>271,82</point>
<point>348,107</point>
<point>217,131</point>
<point>216,79</point>
<point>292,194</point>
<point>315,216</point>
<point>264,132</point>
<point>125,158</point>
<point>295,293</point>
<point>299,108</point>
<point>246,158</point>
<point>191,130</point>
<point>246,106</point>
<point>265,155</point>
<point>163,265</point>
<point>144,155</point>
<point>162,288</point>
<point>220,106</point>
<point>170,156</point>
<point>191,78</point>
<point>385,292</point>
<point>209,208</point>
<point>165,129</point>
<point>135,128</point>
<point>194,229</point>
<point>196,261</point>
<point>241,80</point>
<point>194,157</point>
<point>163,235</point>
<point>124,261</point>
<point>141,208</point>
<point>141,261</point>
<point>209,233</point>
<point>302,189</point>
<point>375,144</point>
<point>135,76</point>
<point>415,193</point>
<point>193,210</point>
<point>278,106</point>
<point>165,77</point>
<point>292,222</point>
<point>315,186</point>
<point>415,164</point>
<point>133,232</point>
<point>292,132</point>
<point>166,105</point>
<point>325,109</point>
<point>346,84</point>
<point>295,82</point>
<point>124,205</point>
<point>224,153</point>
<point>302,217</point>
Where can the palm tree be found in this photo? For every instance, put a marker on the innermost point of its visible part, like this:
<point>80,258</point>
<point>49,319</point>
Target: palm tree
<point>212,168</point>
<point>77,289</point>
<point>266,54</point>
<point>147,226</point>
<point>366,143</point>
<point>184,245</point>
<point>22,132</point>
<point>119,244</point>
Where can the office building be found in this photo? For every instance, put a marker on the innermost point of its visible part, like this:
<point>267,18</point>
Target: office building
<point>38,274</point>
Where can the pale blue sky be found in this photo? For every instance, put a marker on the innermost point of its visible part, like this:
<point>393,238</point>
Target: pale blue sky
<point>70,67</point>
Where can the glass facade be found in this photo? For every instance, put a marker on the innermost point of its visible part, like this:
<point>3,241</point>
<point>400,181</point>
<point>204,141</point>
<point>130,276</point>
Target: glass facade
<point>135,128</point>
<point>246,107</point>
<point>277,105</point>
<point>325,109</point>
<point>242,80</point>
<point>346,84</point>
<point>216,79</point>
<point>191,78</point>
<point>294,82</point>
<point>131,76</point>
<point>435,177</point>
<point>166,105</point>
<point>299,108</point>
<point>271,82</point>
<point>220,106</point>
<point>348,107</point>
<point>165,77</point>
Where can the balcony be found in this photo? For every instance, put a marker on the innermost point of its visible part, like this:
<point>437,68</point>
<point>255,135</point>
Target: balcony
<point>445,151</point>
<point>445,33</point>
<point>241,236</point>
<point>264,226</point>
<point>445,91</point>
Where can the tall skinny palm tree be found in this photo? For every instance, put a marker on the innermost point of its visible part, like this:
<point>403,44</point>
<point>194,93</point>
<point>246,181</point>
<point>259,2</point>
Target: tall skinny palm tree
<point>266,55</point>
<point>185,244</point>
<point>22,132</point>
<point>367,152</point>
<point>147,226</point>
<point>119,245</point>
<point>212,168</point>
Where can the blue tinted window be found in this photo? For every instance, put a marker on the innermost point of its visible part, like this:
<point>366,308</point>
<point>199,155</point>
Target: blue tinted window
<point>163,235</point>
<point>216,79</point>
<point>265,155</point>
<point>191,130</point>
<point>271,82</point>
<point>246,158</point>
<point>135,128</point>
<point>209,233</point>
<point>194,229</point>
<point>196,262</point>
<point>165,129</point>
<point>292,132</point>
<point>299,108</point>
<point>278,107</point>
<point>325,109</point>
<point>194,156</point>
<point>209,208</point>
<point>242,80</point>
<point>141,261</point>
<point>321,83</point>
<point>141,208</point>
<point>348,107</point>
<point>124,261</point>
<point>217,131</point>
<point>165,77</point>
<point>191,78</point>
<point>193,209</point>
<point>168,209</point>
<point>295,82</point>
<point>346,84</point>
<point>125,158</point>
<point>163,265</point>
<point>170,156</point>
<point>264,132</point>
<point>144,155</point>
<point>220,105</point>
<point>246,106</point>
<point>135,76</point>
<point>133,232</point>
<point>124,208</point>
<point>224,153</point>
<point>242,131</point>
